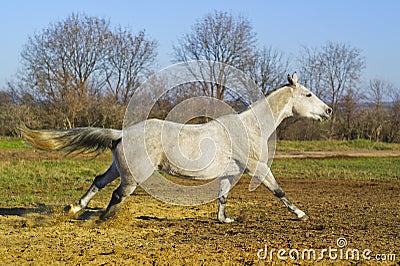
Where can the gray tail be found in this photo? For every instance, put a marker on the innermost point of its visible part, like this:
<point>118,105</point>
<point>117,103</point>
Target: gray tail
<point>72,140</point>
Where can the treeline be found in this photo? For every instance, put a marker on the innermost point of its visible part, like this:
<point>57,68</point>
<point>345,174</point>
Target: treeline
<point>82,72</point>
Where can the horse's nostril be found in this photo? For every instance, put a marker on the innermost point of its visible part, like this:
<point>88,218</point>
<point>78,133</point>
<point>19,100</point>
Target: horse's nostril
<point>328,111</point>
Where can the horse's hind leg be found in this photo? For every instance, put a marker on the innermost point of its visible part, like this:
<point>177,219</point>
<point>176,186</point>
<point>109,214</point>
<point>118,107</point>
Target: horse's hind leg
<point>118,196</point>
<point>127,186</point>
<point>99,182</point>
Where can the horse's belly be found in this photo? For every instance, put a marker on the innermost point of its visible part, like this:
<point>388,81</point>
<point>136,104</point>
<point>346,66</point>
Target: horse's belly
<point>202,168</point>
<point>202,174</point>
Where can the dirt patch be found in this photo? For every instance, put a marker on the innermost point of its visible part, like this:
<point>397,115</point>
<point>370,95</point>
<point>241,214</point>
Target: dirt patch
<point>147,231</point>
<point>336,154</point>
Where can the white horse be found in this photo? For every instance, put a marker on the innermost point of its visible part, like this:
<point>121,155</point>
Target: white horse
<point>232,158</point>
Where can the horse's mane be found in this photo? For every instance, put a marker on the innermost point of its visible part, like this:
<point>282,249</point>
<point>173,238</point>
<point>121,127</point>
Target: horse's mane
<point>277,88</point>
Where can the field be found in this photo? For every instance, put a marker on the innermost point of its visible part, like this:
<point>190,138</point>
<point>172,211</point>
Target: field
<point>350,190</point>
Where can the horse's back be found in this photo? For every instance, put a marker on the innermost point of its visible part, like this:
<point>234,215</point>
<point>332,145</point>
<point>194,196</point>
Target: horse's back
<point>197,151</point>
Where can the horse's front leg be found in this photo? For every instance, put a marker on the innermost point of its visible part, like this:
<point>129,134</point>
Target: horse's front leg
<point>266,177</point>
<point>225,184</point>
<point>99,182</point>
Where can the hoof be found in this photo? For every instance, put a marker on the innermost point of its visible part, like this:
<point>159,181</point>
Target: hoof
<point>72,209</point>
<point>226,220</point>
<point>107,215</point>
<point>303,218</point>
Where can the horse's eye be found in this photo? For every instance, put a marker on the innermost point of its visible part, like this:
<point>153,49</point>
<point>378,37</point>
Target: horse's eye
<point>308,95</point>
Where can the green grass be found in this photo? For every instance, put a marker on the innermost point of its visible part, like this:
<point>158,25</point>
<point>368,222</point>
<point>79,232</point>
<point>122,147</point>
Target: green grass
<point>363,168</point>
<point>282,146</point>
<point>60,182</point>
<point>50,182</point>
<point>12,143</point>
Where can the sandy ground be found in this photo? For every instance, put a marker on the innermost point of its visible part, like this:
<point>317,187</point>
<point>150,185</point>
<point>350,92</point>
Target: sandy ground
<point>149,232</point>
<point>337,154</point>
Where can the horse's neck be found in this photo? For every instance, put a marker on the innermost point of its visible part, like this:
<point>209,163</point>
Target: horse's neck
<point>279,103</point>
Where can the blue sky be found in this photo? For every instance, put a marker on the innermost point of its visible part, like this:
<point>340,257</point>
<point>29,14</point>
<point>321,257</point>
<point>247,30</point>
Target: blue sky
<point>372,26</point>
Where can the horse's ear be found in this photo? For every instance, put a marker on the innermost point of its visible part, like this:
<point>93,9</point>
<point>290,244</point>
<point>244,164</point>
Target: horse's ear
<point>292,80</point>
<point>289,78</point>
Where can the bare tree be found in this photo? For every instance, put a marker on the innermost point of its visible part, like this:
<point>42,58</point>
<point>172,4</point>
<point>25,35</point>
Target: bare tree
<point>69,64</point>
<point>378,91</point>
<point>384,118</point>
<point>394,115</point>
<point>332,70</point>
<point>349,110</point>
<point>311,69</point>
<point>269,70</point>
<point>129,59</point>
<point>61,64</point>
<point>219,37</point>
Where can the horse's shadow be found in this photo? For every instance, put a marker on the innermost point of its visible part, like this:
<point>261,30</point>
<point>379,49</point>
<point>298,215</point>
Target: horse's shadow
<point>22,212</point>
<point>41,211</point>
<point>46,210</point>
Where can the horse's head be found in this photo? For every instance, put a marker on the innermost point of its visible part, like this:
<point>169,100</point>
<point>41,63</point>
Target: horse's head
<point>306,103</point>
